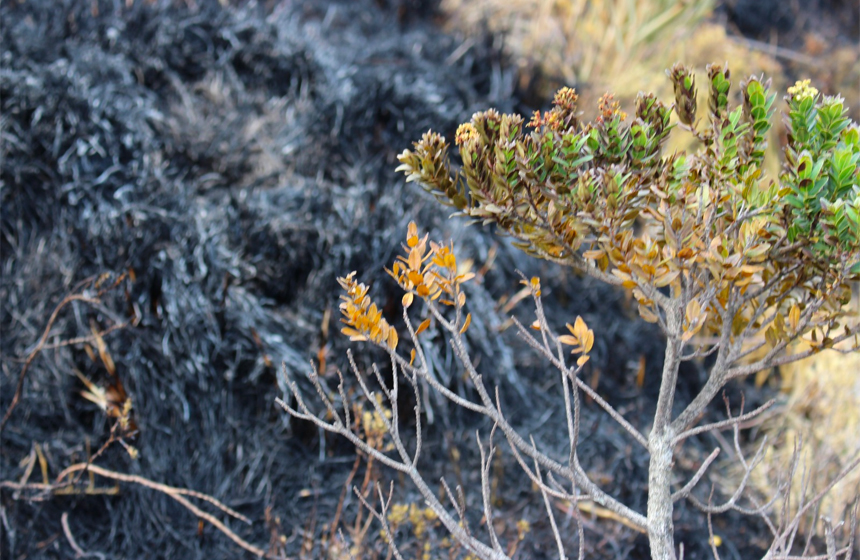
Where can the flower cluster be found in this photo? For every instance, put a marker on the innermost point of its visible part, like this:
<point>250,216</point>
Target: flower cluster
<point>608,108</point>
<point>411,513</point>
<point>374,425</point>
<point>802,90</point>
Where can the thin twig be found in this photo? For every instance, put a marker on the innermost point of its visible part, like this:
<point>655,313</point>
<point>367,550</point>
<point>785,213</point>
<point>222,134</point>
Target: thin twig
<point>685,491</point>
<point>64,521</point>
<point>91,299</point>
<point>178,495</point>
<point>724,424</point>
<point>35,352</point>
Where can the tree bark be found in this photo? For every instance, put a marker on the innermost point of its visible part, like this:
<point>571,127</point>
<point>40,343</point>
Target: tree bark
<point>661,533</point>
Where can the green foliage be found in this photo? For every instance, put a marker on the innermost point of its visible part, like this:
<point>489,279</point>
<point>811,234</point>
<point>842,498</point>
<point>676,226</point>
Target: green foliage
<point>603,198</point>
<point>820,183</point>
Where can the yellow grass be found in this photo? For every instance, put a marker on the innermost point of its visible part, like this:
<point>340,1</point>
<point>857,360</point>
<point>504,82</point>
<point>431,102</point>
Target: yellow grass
<point>823,410</point>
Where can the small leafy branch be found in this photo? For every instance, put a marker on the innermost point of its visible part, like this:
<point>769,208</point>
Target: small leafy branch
<point>729,264</point>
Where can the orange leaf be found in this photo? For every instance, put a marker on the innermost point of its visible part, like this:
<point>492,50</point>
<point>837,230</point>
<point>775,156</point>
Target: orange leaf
<point>103,351</point>
<point>353,334</point>
<point>423,326</point>
<point>588,341</point>
<point>568,340</point>
<point>466,323</point>
<point>685,253</point>
<point>465,277</point>
<point>414,260</point>
<point>647,314</point>
<point>579,327</point>
<point>412,235</point>
<point>694,309</point>
<point>794,317</point>
<point>640,373</point>
<point>407,300</point>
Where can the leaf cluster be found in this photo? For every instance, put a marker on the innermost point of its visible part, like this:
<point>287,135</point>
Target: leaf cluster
<point>707,226</point>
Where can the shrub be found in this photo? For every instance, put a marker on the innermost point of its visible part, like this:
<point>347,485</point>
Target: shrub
<point>729,263</point>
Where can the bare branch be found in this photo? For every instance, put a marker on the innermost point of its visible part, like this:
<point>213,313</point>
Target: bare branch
<point>712,540</point>
<point>687,488</point>
<point>731,503</point>
<point>577,472</point>
<point>556,534</point>
<point>177,494</point>
<point>771,360</point>
<point>39,347</point>
<point>617,416</point>
<point>486,461</point>
<point>382,517</point>
<point>79,552</point>
<point>724,424</point>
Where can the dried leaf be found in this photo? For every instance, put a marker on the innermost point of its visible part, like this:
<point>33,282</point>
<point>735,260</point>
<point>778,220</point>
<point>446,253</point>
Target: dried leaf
<point>103,351</point>
<point>588,341</point>
<point>414,259</point>
<point>685,253</point>
<point>568,339</point>
<point>579,328</point>
<point>423,326</point>
<point>647,314</point>
<point>694,310</point>
<point>640,372</point>
<point>666,278</point>
<point>794,317</point>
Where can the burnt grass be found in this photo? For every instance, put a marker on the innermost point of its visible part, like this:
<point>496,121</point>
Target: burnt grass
<point>238,160</point>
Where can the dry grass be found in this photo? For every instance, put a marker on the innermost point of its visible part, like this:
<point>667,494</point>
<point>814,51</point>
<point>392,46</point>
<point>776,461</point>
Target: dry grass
<point>577,41</point>
<point>823,412</point>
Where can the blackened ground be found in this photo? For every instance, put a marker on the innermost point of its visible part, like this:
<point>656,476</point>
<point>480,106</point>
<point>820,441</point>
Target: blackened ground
<point>238,160</point>
<point>837,19</point>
